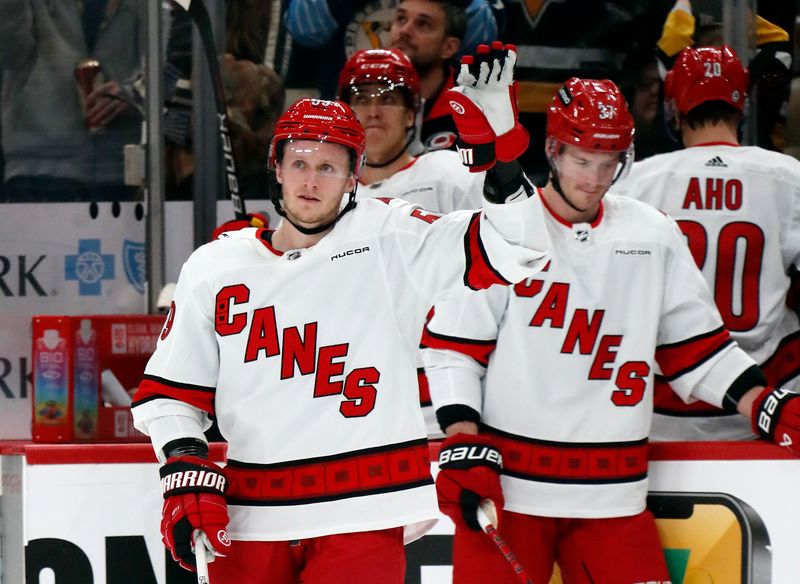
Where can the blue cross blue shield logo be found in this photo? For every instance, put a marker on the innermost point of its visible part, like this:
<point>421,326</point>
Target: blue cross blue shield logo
<point>89,267</point>
<point>134,262</point>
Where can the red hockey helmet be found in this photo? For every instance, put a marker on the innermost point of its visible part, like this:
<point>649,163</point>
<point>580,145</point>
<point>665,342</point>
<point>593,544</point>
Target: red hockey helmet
<point>323,121</point>
<point>706,74</point>
<point>592,114</point>
<point>388,66</point>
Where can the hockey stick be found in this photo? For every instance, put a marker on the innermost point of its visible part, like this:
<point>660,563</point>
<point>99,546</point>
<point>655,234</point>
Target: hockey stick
<point>199,14</point>
<point>200,554</point>
<point>487,517</point>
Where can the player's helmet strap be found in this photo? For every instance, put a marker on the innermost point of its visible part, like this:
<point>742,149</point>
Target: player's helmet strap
<point>557,187</point>
<point>276,197</point>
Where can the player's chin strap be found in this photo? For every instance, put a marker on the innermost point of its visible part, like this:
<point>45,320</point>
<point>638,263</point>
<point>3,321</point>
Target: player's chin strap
<point>275,196</point>
<point>557,185</point>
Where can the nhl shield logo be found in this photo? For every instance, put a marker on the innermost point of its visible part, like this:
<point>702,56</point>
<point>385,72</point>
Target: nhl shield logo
<point>134,262</point>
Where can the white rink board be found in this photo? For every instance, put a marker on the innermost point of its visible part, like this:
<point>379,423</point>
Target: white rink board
<point>88,505</point>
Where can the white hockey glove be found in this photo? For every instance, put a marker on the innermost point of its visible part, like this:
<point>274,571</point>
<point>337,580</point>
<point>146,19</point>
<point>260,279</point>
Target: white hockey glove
<point>484,106</point>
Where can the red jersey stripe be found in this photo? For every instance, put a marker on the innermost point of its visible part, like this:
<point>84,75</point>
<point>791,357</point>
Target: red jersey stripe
<point>678,358</point>
<point>784,364</point>
<point>153,387</point>
<point>424,388</point>
<point>478,350</point>
<point>564,462</point>
<point>392,468</point>
<point>480,273</point>
<point>666,401</point>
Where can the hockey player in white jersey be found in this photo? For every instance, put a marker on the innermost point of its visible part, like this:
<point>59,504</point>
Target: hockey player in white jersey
<point>382,88</point>
<point>739,209</point>
<point>548,385</point>
<point>302,341</point>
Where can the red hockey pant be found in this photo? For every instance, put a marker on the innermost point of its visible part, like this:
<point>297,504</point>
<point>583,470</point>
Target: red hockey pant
<point>623,550</point>
<point>368,557</point>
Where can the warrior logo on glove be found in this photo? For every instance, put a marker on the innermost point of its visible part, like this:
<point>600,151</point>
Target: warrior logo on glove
<point>194,498</point>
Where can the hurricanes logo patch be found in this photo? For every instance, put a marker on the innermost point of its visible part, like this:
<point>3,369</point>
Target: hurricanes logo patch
<point>457,107</point>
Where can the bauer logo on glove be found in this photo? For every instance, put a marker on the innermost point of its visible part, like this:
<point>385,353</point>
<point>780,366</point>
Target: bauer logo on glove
<point>777,417</point>
<point>469,472</point>
<point>470,456</point>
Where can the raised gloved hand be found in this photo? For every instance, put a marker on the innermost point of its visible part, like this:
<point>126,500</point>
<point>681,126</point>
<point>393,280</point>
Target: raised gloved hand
<point>469,471</point>
<point>484,105</point>
<point>194,498</point>
<point>776,415</point>
<point>252,220</point>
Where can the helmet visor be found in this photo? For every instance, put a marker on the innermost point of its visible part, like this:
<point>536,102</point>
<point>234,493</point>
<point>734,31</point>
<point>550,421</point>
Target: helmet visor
<point>590,169</point>
<point>323,161</point>
<point>380,94</point>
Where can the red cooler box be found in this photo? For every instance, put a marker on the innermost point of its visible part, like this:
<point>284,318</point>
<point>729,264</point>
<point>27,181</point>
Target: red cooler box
<point>80,362</point>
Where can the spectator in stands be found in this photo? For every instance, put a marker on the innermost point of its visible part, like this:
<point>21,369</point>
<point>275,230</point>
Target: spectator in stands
<point>430,33</point>
<point>337,29</point>
<point>51,154</point>
<point>255,98</point>
<point>643,89</point>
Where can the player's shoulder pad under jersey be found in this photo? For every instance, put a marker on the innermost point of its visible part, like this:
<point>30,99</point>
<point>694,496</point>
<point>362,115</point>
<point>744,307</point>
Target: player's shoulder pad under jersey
<point>398,205</point>
<point>616,204</point>
<point>222,253</point>
<point>245,233</point>
<point>777,164</point>
<point>446,166</point>
<point>638,217</point>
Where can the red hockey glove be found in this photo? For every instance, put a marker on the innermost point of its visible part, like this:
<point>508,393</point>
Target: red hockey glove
<point>194,498</point>
<point>484,106</point>
<point>253,220</point>
<point>469,471</point>
<point>776,415</point>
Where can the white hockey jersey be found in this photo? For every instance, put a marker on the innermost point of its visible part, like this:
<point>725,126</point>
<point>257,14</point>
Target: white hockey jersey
<point>436,180</point>
<point>561,365</point>
<point>440,182</point>
<point>307,360</point>
<point>739,210</point>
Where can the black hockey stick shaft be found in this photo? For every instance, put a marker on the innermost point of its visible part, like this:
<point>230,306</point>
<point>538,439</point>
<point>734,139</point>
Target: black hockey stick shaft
<point>199,14</point>
<point>487,517</point>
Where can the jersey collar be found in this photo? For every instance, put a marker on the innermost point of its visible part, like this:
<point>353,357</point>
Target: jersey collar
<point>569,224</point>
<point>715,144</point>
<point>401,169</point>
<point>264,235</point>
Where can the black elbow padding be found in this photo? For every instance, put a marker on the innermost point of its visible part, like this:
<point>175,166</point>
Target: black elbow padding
<point>503,180</point>
<point>448,415</point>
<point>186,447</point>
<point>750,377</point>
